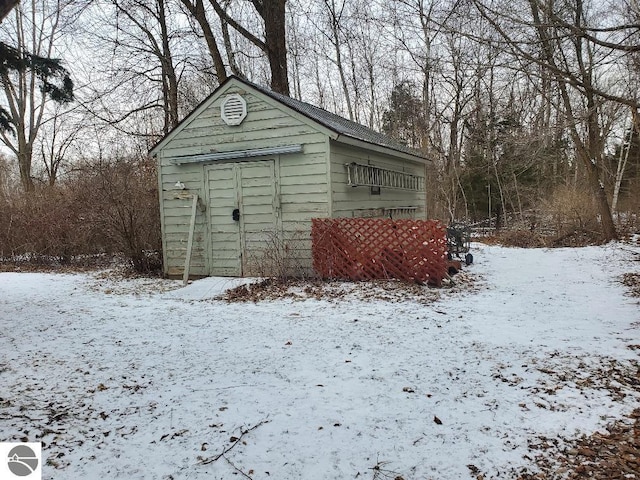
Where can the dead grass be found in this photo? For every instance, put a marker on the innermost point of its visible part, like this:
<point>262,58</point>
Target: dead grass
<point>610,455</point>
<point>118,265</point>
<point>333,290</point>
<point>578,237</point>
<point>632,281</point>
<point>520,239</point>
<point>48,264</point>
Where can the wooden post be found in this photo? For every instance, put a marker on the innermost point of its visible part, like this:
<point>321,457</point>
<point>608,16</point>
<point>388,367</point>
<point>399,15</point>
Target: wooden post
<point>192,227</point>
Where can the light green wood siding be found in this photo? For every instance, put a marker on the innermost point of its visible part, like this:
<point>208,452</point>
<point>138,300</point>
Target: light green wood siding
<point>224,232</point>
<point>348,201</point>
<point>258,221</point>
<point>277,195</point>
<point>175,215</point>
<point>277,205</point>
<point>267,124</point>
<point>274,226</point>
<point>304,187</point>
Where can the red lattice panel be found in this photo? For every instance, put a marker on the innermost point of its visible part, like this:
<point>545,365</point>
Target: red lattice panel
<point>368,248</point>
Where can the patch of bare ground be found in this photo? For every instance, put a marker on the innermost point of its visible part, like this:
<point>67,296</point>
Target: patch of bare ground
<point>117,264</point>
<point>632,282</point>
<point>333,290</point>
<point>123,280</point>
<point>611,454</point>
<point>53,267</point>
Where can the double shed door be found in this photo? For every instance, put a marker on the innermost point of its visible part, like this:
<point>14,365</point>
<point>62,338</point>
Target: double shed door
<point>240,243</point>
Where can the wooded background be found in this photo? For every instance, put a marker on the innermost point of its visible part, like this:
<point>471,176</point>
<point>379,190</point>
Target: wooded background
<point>528,108</point>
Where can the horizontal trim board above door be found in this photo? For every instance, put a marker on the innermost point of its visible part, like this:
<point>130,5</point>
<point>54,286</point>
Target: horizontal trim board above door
<point>236,154</point>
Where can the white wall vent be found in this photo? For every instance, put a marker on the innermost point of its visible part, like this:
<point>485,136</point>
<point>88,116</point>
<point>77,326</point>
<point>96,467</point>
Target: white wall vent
<point>233,109</point>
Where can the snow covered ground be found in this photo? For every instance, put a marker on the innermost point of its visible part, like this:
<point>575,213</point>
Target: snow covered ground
<point>145,379</point>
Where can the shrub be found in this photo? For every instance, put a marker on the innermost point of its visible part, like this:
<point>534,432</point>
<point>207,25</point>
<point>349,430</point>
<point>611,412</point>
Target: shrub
<point>121,200</point>
<point>280,258</point>
<point>105,207</point>
<point>520,238</point>
<point>571,209</point>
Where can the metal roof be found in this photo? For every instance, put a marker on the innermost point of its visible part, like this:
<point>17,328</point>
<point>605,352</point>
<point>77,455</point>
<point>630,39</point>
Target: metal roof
<point>338,124</point>
<point>331,121</point>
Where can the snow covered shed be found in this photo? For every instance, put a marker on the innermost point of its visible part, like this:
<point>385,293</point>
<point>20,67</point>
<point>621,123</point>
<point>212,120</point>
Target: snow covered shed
<point>241,177</point>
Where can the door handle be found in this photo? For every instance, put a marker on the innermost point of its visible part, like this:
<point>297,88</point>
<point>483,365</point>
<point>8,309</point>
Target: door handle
<point>235,215</point>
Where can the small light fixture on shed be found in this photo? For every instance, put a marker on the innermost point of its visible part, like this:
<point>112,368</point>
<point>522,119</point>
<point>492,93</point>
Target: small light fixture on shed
<point>233,109</point>
<point>180,186</point>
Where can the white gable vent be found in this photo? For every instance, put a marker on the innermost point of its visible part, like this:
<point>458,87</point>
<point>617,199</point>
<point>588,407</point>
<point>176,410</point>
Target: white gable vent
<point>233,109</point>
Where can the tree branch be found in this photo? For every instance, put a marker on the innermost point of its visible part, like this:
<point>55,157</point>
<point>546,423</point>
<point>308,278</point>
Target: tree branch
<point>222,13</point>
<point>206,461</point>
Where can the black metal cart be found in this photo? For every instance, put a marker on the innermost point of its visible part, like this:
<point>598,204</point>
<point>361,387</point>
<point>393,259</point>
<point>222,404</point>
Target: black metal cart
<point>459,242</point>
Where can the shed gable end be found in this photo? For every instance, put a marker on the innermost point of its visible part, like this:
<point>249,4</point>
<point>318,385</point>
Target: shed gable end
<point>238,118</point>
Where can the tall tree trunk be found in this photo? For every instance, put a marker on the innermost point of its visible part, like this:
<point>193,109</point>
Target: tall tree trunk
<point>273,13</point>
<point>231,55</point>
<point>160,48</point>
<point>196,8</point>
<point>24,165</point>
<point>589,152</point>
<point>334,20</point>
<point>36,31</point>
<point>274,45</point>
<point>590,156</point>
<point>170,79</point>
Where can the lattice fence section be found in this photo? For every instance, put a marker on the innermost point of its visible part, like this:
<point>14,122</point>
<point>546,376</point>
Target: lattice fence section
<point>367,248</point>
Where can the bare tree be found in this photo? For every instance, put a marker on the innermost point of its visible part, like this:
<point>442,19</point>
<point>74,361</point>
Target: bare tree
<point>149,21</point>
<point>271,41</point>
<point>558,39</point>
<point>198,12</point>
<point>60,143</point>
<point>336,36</point>
<point>144,45</point>
<point>26,76</point>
